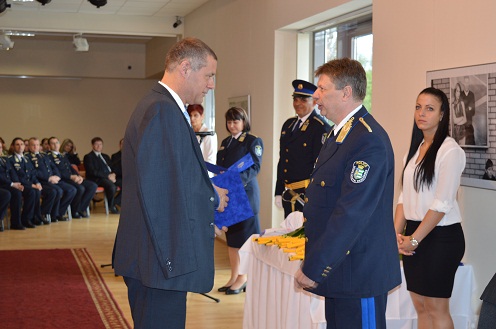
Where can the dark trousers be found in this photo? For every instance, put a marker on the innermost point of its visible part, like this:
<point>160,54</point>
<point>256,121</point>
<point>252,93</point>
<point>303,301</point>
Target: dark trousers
<point>356,313</point>
<point>50,199</point>
<point>110,189</point>
<point>156,308</point>
<point>84,193</point>
<point>4,202</point>
<point>64,195</point>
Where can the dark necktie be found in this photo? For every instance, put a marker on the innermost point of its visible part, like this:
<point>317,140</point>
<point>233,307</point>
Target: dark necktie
<point>297,125</point>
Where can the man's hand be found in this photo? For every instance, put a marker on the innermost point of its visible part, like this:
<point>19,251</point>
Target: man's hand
<point>54,179</point>
<point>304,282</point>
<point>111,177</point>
<point>222,192</point>
<point>37,186</point>
<point>278,201</point>
<point>18,186</point>
<point>218,231</point>
<point>77,179</point>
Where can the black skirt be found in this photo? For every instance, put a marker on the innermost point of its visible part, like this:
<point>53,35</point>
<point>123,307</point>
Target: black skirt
<point>238,233</point>
<point>431,270</point>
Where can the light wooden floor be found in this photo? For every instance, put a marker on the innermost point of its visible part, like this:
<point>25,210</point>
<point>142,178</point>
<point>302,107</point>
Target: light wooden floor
<point>97,234</point>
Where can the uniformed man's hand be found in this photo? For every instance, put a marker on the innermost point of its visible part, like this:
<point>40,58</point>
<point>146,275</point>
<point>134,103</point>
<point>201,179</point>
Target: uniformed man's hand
<point>111,177</point>
<point>304,282</point>
<point>54,179</point>
<point>278,201</point>
<point>222,192</point>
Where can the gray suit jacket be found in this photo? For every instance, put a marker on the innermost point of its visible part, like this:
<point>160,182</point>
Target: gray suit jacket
<point>165,236</point>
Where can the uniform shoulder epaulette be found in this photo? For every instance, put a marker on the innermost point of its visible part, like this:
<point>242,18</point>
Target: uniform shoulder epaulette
<point>250,134</point>
<point>318,120</point>
<point>362,120</point>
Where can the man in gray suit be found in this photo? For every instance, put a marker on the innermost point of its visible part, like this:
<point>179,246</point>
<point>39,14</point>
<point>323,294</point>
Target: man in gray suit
<point>165,239</point>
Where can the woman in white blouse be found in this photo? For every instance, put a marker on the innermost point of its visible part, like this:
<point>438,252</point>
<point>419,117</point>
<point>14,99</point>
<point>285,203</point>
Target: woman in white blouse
<point>208,144</point>
<point>427,218</point>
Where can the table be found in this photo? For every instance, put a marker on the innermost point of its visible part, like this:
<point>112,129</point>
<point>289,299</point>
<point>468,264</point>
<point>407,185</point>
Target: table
<point>273,302</point>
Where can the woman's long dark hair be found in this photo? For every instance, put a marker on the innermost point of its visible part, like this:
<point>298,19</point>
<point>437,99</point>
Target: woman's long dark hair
<point>424,171</point>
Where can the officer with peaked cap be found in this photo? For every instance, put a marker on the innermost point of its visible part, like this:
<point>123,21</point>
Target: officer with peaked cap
<point>300,143</point>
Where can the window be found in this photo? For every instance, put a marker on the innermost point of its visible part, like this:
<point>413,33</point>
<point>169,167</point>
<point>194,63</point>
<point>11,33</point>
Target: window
<point>347,36</point>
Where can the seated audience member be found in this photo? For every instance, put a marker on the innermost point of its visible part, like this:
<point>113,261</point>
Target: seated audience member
<point>49,177</point>
<point>16,192</point>
<point>97,166</point>
<point>85,189</point>
<point>26,176</point>
<point>117,168</point>
<point>68,149</point>
<point>44,145</point>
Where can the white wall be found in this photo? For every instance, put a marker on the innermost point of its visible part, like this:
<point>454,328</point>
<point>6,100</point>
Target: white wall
<point>410,38</point>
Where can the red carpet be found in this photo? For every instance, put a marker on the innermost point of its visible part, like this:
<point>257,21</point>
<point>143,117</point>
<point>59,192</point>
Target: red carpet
<point>58,288</point>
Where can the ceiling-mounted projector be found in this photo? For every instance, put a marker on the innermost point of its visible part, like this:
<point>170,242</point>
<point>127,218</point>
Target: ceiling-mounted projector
<point>80,43</point>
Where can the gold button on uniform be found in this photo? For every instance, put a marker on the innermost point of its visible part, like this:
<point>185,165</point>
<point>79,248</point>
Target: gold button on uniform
<point>287,160</point>
<point>322,183</point>
<point>285,170</point>
<point>304,144</point>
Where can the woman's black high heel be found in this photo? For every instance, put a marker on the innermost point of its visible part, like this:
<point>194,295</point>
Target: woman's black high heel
<point>223,289</point>
<point>236,291</point>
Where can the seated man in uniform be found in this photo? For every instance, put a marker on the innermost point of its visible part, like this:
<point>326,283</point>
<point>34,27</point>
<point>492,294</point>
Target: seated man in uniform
<point>85,189</point>
<point>97,165</point>
<point>49,177</point>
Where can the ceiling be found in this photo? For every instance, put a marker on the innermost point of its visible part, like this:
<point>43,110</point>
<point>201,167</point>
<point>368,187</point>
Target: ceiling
<point>157,8</point>
<point>134,21</point>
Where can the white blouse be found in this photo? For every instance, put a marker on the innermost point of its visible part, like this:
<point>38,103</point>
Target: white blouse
<point>208,146</point>
<point>441,195</point>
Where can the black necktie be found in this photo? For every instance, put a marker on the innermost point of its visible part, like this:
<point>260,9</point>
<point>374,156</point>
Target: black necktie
<point>296,126</point>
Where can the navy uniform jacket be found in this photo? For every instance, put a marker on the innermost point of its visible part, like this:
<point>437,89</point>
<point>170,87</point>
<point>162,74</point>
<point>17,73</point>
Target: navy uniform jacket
<point>351,249</point>
<point>238,148</point>
<point>24,169</point>
<point>299,149</point>
<point>165,237</point>
<point>43,166</point>
<point>7,174</point>
<point>63,165</point>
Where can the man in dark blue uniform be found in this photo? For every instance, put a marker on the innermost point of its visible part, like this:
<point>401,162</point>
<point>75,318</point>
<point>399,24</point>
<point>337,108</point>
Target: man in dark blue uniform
<point>351,255</point>
<point>300,143</point>
<point>10,183</point>
<point>27,177</point>
<point>85,189</point>
<point>49,177</point>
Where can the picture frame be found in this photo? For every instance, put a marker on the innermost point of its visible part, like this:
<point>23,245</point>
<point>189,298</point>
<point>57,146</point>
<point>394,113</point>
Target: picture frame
<point>241,101</point>
<point>472,118</point>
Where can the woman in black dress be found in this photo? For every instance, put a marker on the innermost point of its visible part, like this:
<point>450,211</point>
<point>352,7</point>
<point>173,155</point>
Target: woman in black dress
<point>231,150</point>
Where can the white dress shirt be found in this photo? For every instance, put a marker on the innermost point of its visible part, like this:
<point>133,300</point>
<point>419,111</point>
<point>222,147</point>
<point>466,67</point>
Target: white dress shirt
<point>441,195</point>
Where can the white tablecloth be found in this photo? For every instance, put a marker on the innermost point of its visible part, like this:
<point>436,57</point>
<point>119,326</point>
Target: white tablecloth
<point>273,302</point>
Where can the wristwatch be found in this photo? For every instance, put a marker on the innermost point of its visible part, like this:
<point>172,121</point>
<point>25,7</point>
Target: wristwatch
<point>413,241</point>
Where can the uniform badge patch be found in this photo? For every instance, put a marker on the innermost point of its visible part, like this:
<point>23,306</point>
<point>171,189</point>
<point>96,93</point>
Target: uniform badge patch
<point>359,171</point>
<point>258,150</point>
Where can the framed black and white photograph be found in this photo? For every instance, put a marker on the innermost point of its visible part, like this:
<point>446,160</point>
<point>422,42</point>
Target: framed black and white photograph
<point>472,118</point>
